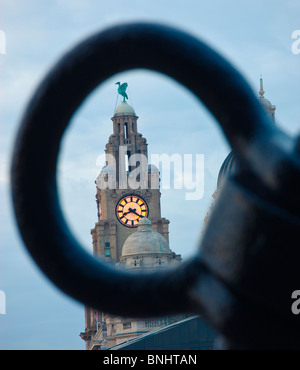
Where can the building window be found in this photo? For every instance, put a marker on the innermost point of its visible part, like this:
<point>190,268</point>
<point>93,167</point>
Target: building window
<point>151,324</point>
<point>107,249</point>
<point>127,325</point>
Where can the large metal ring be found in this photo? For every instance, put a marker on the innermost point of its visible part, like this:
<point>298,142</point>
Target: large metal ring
<point>42,225</point>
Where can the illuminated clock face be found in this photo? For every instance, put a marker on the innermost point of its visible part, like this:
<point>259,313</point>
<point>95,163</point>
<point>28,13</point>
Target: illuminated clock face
<point>130,209</point>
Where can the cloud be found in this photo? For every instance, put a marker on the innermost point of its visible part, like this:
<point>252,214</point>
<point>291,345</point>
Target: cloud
<point>4,174</point>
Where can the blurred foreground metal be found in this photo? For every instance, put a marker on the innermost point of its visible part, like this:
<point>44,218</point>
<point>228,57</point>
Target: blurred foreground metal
<point>242,277</point>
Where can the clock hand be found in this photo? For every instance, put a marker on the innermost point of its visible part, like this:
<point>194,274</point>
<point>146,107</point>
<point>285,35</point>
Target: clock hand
<point>134,211</point>
<point>130,210</point>
<point>126,213</point>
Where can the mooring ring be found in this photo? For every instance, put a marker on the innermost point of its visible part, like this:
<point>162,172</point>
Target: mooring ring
<point>43,228</point>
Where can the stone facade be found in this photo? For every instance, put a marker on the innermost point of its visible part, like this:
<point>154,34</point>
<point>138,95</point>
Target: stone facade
<point>124,245</point>
<point>125,141</point>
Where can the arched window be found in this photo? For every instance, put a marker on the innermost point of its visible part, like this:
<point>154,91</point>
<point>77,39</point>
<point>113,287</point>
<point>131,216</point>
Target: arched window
<point>126,130</point>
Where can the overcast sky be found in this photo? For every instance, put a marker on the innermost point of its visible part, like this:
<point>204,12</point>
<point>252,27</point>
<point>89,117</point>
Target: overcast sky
<point>254,35</point>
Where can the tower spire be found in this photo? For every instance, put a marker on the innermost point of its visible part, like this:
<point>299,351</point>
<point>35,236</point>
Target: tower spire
<point>268,106</point>
<point>261,91</point>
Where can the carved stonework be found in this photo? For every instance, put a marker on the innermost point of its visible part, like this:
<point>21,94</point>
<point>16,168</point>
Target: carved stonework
<point>110,234</point>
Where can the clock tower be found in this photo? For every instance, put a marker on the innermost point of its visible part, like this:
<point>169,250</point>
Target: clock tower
<point>127,191</point>
<point>130,232</point>
<point>127,188</point>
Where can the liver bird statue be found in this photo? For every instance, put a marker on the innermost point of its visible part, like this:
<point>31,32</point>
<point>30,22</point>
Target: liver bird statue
<point>122,90</point>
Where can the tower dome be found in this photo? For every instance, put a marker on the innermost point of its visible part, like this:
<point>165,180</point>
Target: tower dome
<point>228,167</point>
<point>145,241</point>
<point>106,170</point>
<point>267,105</point>
<point>124,109</point>
<point>104,175</point>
